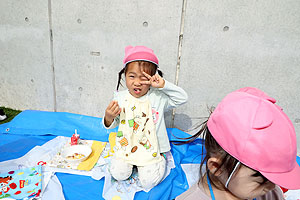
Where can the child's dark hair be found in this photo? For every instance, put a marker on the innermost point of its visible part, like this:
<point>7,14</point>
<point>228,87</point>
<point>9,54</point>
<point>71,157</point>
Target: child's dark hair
<point>212,149</point>
<point>148,67</point>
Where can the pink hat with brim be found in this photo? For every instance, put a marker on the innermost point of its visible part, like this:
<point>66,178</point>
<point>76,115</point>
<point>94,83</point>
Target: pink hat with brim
<point>252,128</point>
<point>139,53</point>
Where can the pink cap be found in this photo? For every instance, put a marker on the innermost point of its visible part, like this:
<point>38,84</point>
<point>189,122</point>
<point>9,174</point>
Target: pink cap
<point>139,53</point>
<point>252,128</point>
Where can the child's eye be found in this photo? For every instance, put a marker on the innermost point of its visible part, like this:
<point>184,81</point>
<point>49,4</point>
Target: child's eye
<point>258,174</point>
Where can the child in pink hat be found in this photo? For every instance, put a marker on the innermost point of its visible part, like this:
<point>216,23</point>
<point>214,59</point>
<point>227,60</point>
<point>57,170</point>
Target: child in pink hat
<point>250,150</point>
<point>142,138</point>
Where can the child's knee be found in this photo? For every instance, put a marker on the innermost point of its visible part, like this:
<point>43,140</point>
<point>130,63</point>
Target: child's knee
<point>119,175</point>
<point>120,170</point>
<point>149,180</point>
<point>152,175</point>
<point>148,184</point>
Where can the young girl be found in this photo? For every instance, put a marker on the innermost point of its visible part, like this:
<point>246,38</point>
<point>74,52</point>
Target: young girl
<point>139,112</point>
<point>251,148</point>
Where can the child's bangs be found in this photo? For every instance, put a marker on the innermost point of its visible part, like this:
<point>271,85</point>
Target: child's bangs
<point>148,67</point>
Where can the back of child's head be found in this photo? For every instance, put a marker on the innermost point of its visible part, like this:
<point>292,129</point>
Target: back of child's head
<point>145,58</point>
<point>249,126</point>
<point>213,149</point>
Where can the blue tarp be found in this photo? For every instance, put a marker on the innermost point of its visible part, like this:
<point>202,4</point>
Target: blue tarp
<point>31,128</point>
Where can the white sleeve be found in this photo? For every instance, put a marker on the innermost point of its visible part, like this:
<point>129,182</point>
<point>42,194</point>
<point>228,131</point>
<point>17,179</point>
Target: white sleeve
<point>176,95</point>
<point>114,124</point>
<point>116,121</point>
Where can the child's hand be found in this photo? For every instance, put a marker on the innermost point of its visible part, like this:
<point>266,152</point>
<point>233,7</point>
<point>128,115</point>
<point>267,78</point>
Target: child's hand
<point>155,81</point>
<point>112,111</point>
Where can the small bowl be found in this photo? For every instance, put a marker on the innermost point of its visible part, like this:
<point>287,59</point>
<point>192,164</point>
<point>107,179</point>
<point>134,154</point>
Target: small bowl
<point>76,153</point>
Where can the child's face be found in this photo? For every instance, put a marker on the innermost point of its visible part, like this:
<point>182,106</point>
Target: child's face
<point>245,184</point>
<point>133,78</point>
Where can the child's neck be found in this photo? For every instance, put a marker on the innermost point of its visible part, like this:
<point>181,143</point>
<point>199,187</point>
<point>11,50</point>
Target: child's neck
<point>220,194</point>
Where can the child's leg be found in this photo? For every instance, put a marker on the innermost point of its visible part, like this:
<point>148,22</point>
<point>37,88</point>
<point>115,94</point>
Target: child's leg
<point>151,175</point>
<point>119,169</point>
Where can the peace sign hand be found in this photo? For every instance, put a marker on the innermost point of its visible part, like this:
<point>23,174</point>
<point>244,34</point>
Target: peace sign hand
<point>155,81</point>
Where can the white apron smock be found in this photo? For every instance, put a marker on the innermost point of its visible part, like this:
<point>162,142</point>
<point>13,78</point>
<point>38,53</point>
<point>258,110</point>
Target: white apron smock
<point>136,140</point>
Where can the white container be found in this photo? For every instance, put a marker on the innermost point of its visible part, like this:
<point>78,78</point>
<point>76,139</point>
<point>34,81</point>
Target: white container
<point>76,153</point>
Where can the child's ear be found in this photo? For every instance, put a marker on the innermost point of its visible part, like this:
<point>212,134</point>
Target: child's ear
<point>213,165</point>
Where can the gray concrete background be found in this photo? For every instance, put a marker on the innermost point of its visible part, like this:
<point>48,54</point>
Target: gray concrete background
<point>65,55</point>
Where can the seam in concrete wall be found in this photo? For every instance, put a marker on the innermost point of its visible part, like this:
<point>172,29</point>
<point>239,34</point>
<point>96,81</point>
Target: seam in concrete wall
<point>52,56</point>
<point>184,3</point>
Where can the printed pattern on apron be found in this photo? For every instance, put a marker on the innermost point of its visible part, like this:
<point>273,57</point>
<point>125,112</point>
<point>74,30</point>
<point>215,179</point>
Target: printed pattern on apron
<point>136,140</point>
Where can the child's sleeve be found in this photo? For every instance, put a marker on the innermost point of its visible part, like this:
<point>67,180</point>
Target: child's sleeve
<point>176,95</point>
<point>114,124</point>
<point>116,121</point>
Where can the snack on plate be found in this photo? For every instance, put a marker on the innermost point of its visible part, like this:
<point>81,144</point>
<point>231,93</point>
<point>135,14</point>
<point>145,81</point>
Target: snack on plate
<point>75,156</point>
<point>76,153</point>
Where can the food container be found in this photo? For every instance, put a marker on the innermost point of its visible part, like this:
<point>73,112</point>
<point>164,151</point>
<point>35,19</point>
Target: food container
<point>76,153</point>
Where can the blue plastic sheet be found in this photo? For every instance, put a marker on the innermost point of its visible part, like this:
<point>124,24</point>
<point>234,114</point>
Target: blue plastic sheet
<point>31,128</point>
<point>31,122</point>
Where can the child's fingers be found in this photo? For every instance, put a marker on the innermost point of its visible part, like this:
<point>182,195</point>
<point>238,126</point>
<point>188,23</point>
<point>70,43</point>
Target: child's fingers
<point>110,105</point>
<point>115,106</point>
<point>116,109</point>
<point>145,82</point>
<point>116,112</point>
<point>147,75</point>
<point>156,78</point>
<point>119,111</point>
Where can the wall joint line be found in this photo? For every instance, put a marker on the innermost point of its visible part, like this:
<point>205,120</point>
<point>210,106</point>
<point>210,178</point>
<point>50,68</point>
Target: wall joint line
<point>52,55</point>
<point>179,50</point>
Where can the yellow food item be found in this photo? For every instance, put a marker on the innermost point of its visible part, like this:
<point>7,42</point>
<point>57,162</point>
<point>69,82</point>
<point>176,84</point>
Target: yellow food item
<point>75,156</point>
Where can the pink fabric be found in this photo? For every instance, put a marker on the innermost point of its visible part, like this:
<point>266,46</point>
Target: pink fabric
<point>250,127</point>
<point>139,53</point>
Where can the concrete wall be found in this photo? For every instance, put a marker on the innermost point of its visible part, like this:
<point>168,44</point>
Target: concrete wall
<point>65,55</point>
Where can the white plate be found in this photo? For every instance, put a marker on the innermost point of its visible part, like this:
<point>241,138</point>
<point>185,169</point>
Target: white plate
<point>76,153</point>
